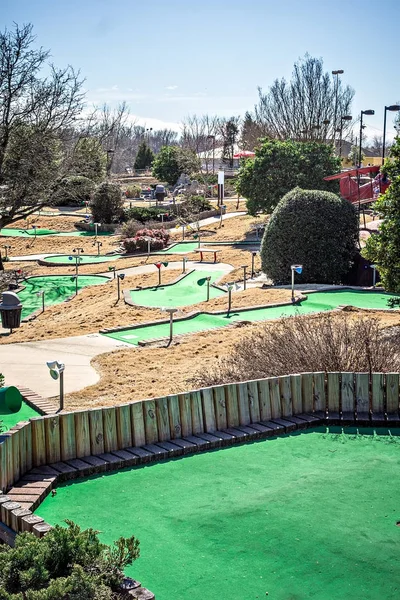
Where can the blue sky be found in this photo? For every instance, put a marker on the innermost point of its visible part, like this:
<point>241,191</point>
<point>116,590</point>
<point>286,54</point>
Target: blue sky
<point>171,58</point>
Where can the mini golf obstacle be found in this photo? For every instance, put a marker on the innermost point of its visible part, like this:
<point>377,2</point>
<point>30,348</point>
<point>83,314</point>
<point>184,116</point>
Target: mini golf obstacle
<point>10,399</point>
<point>67,446</point>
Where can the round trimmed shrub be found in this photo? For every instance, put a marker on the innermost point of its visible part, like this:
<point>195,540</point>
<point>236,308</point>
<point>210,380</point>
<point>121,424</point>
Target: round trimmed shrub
<point>107,204</point>
<point>314,228</point>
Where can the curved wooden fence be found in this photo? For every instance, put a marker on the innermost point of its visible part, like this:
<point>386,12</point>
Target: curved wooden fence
<point>35,454</point>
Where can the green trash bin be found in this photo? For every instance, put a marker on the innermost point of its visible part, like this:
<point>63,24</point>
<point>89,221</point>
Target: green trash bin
<point>10,399</point>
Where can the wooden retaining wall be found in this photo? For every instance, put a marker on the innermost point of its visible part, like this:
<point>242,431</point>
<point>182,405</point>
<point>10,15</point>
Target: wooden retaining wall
<point>35,455</point>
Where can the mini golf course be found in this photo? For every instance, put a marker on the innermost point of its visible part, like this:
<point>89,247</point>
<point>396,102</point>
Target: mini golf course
<point>306,515</point>
<point>316,302</point>
<point>57,288</point>
<point>8,232</point>
<point>13,409</point>
<point>84,259</point>
<point>190,289</point>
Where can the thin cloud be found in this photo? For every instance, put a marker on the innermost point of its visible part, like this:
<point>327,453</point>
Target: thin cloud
<point>171,87</point>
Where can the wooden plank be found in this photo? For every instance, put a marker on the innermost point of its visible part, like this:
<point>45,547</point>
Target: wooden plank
<point>264,399</point>
<point>24,449</point>
<point>285,390</point>
<point>185,414</point>
<point>319,392</point>
<point>162,419</point>
<point>150,421</point>
<point>307,392</point>
<point>377,394</point>
<point>333,387</point>
<point>124,426</point>
<point>232,407</point>
<point>243,404</point>
<point>82,433</point>
<point>174,417</point>
<point>96,431</point>
<point>15,449</point>
<point>297,401</point>
<point>208,409</point>
<point>275,396</point>
<point>52,435</point>
<point>67,436</point>
<point>252,391</point>
<point>138,429</point>
<point>3,465</point>
<point>392,394</point>
<point>38,442</point>
<point>220,407</point>
<point>362,395</point>
<point>110,429</point>
<point>197,412</point>
<point>347,394</point>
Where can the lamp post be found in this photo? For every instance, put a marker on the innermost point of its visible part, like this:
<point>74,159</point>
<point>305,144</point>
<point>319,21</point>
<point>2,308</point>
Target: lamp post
<point>171,312</point>
<point>336,74</point>
<point>113,270</point>
<point>373,267</point>
<point>78,252</point>
<point>253,255</point>
<point>184,260</point>
<point>363,112</point>
<point>212,137</point>
<point>6,247</point>
<point>96,225</point>
<point>38,294</point>
<point>98,244</point>
<point>295,269</point>
<point>230,288</point>
<point>120,277</point>
<point>244,267</point>
<point>344,118</point>
<point>392,108</point>
<point>57,372</point>
<point>208,279</point>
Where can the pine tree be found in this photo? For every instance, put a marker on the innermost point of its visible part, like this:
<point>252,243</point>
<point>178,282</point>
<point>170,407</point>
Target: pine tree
<point>145,156</point>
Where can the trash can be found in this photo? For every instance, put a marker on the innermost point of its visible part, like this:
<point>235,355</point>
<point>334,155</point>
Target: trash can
<point>10,399</point>
<point>10,310</point>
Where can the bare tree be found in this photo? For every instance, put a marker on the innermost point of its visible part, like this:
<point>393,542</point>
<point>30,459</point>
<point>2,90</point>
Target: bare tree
<point>376,146</point>
<point>309,107</point>
<point>34,111</point>
<point>202,135</point>
<point>251,132</point>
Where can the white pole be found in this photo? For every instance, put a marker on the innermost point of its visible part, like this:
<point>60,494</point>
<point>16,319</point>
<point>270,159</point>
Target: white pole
<point>292,284</point>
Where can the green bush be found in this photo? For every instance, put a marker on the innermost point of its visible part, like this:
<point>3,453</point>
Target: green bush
<point>143,214</point>
<point>198,204</point>
<point>73,191</point>
<point>107,204</point>
<point>133,191</point>
<point>314,228</point>
<point>281,166</point>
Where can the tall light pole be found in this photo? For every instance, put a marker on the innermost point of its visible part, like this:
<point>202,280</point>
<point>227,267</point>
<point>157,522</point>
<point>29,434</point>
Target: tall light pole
<point>344,118</point>
<point>363,112</point>
<point>336,74</point>
<point>392,108</point>
<point>212,137</point>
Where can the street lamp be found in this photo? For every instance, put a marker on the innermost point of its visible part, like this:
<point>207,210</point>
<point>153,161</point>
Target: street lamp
<point>120,277</point>
<point>344,118</point>
<point>98,244</point>
<point>295,269</point>
<point>6,247</point>
<point>96,225</point>
<point>336,74</point>
<point>363,112</point>
<point>392,108</point>
<point>208,279</point>
<point>57,372</point>
<point>113,270</point>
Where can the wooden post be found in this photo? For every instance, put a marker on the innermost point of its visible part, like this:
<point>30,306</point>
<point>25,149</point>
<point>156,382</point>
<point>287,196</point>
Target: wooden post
<point>208,410</point>
<point>110,429</point>
<point>52,434</point>
<point>82,433</point>
<point>333,384</point>
<point>67,436</point>
<point>285,390</point>
<point>347,394</point>
<point>137,420</point>
<point>362,396</point>
<point>150,421</point>
<point>3,465</point>
<point>295,384</point>
<point>264,399</point>
<point>275,396</point>
<point>252,391</point>
<point>377,396</point>
<point>232,408</point>
<point>164,432</point>
<point>243,404</point>
<point>307,392</point>
<point>124,426</point>
<point>38,442</point>
<point>185,414</point>
<point>96,431</point>
<point>319,393</point>
<point>174,417</point>
<point>197,412</point>
<point>392,395</point>
<point>220,407</point>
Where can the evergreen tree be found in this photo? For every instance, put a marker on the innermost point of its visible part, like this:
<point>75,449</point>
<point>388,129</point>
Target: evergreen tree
<point>144,158</point>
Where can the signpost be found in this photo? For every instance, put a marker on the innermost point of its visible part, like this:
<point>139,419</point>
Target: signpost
<point>295,269</point>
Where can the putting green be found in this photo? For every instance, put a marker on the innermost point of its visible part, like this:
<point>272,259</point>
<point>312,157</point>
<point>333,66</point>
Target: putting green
<point>308,515</point>
<point>187,247</point>
<point>57,288</point>
<point>9,419</point>
<point>8,232</point>
<point>85,259</point>
<point>316,302</point>
<point>191,289</point>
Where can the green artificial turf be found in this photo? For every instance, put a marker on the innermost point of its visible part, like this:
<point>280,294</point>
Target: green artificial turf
<point>8,420</point>
<point>9,232</point>
<point>190,289</point>
<point>85,259</point>
<point>186,247</point>
<point>57,288</point>
<point>316,302</point>
<point>307,515</point>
